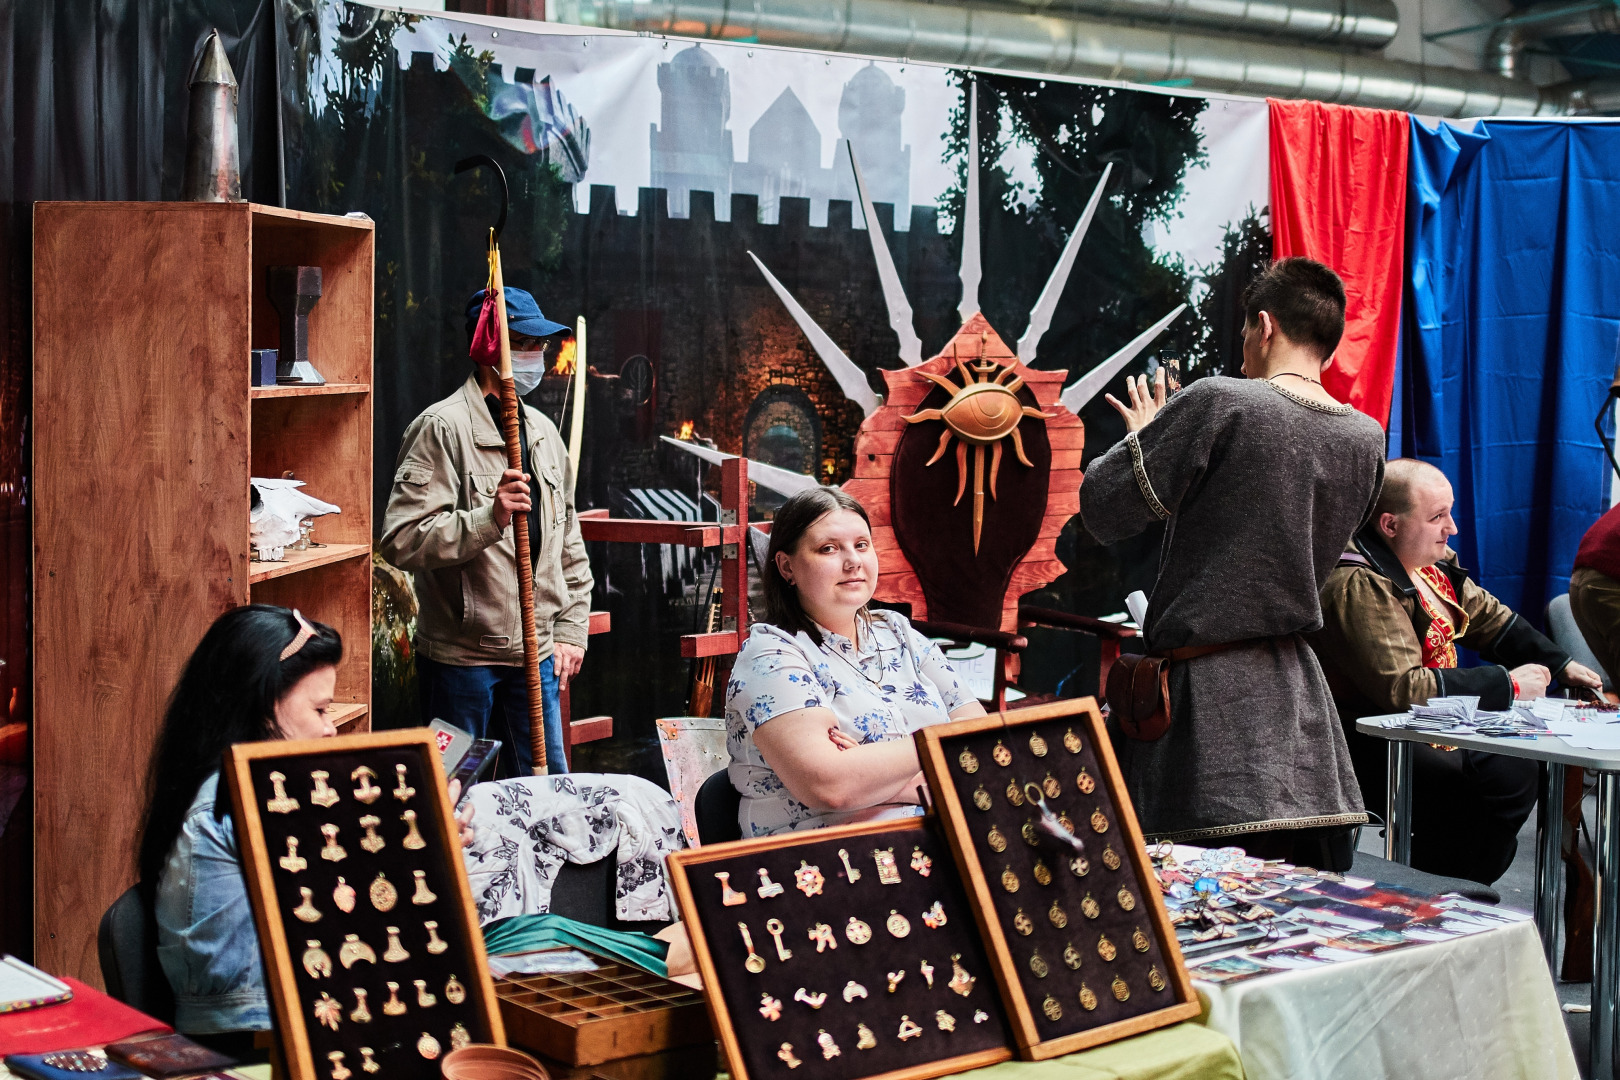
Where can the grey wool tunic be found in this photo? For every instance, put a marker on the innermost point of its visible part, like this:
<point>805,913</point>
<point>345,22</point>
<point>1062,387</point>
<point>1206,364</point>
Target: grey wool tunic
<point>1260,489</point>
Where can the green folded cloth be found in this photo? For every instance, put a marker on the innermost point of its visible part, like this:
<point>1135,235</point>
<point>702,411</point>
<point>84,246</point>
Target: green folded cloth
<point>531,933</point>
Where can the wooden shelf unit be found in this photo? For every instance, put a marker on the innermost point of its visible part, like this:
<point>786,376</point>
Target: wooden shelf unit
<point>146,431</point>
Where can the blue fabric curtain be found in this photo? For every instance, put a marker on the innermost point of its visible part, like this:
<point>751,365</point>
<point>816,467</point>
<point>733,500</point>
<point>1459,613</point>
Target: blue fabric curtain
<point>1511,313</point>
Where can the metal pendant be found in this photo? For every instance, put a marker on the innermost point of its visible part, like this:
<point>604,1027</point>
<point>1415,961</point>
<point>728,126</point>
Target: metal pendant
<point>927,971</point>
<point>1009,880</point>
<point>383,894</point>
<point>1063,820</point>
<point>343,896</point>
<point>894,979</point>
<point>1110,857</point>
<point>322,795</point>
<point>1037,966</point>
<point>898,924</point>
<point>1079,866</point>
<point>454,992</point>
<point>368,1063</point>
<point>815,1001</point>
<point>353,950</point>
<point>1099,823</point>
<point>402,790</point>
<point>1126,900</point>
<point>333,851</point>
<point>1041,874</point>
<point>427,1046</point>
<point>968,762</point>
<point>316,962</point>
<point>306,911</point>
<point>367,792</point>
<point>994,838</point>
<point>292,862</point>
<point>1088,1000</point>
<point>1051,786</point>
<point>1071,956</point>
<point>424,1000</point>
<point>413,840</point>
<point>1015,794</point>
<point>1031,837</point>
<point>853,990</point>
<point>361,1014</point>
<point>371,841</point>
<point>822,936</point>
<point>866,1039</point>
<point>340,1071</point>
<point>730,897</point>
<point>1139,940</point>
<point>436,944</point>
<point>755,962</point>
<point>1089,907</point>
<point>1037,745</point>
<point>1071,741</point>
<point>981,798</point>
<point>858,932</point>
<point>1022,923</point>
<point>934,917</point>
<point>460,1037</point>
<point>808,879</point>
<point>1002,755</point>
<point>770,1008</point>
<point>1122,992</point>
<point>961,982</point>
<point>1105,948</point>
<point>1155,980</point>
<point>393,1006</point>
<point>944,1020</point>
<point>851,874</point>
<point>1051,1008</point>
<point>328,1010</point>
<point>908,1029</point>
<point>829,1048</point>
<point>921,863</point>
<point>396,952</point>
<point>280,803</point>
<point>1084,782</point>
<point>767,887</point>
<point>774,928</point>
<point>1058,917</point>
<point>786,1054</point>
<point>888,869</point>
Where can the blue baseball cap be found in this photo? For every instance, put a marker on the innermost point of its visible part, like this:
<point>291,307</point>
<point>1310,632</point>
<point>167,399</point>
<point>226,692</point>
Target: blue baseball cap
<point>522,314</point>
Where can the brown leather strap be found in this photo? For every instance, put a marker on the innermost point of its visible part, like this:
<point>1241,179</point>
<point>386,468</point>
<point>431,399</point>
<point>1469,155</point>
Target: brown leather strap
<point>1189,652</point>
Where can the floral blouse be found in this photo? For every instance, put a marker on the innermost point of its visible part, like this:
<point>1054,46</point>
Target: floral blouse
<point>892,683</point>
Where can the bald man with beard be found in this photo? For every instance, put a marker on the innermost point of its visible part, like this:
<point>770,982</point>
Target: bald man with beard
<point>1394,612</point>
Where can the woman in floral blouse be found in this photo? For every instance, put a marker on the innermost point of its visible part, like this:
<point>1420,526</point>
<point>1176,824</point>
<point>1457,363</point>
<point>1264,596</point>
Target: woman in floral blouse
<point>826,693</point>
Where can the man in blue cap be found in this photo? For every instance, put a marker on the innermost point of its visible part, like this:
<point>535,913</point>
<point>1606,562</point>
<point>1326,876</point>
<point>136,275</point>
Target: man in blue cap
<point>449,521</point>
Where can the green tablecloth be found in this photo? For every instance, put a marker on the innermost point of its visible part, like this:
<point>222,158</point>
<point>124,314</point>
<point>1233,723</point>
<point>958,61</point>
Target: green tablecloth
<point>1182,1052</point>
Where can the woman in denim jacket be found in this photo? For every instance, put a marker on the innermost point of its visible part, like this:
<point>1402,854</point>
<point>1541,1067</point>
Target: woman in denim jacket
<point>260,672</point>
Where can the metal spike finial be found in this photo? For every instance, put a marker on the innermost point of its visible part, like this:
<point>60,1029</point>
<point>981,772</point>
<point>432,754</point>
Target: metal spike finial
<point>971,265</point>
<point>213,171</point>
<point>851,379</point>
<point>1040,316</point>
<point>1075,397</point>
<point>894,296</point>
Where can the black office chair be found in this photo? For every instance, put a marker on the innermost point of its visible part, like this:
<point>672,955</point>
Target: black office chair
<point>126,942</point>
<point>716,808</point>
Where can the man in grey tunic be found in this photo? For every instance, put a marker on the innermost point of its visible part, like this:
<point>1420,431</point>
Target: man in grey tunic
<point>1261,482</point>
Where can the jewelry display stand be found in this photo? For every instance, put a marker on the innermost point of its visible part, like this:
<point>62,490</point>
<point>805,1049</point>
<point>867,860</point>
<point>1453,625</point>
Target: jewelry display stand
<point>1083,949</point>
<point>841,953</point>
<point>613,1012</point>
<point>374,957</point>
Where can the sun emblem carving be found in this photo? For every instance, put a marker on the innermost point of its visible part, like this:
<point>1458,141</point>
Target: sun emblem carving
<point>983,412</point>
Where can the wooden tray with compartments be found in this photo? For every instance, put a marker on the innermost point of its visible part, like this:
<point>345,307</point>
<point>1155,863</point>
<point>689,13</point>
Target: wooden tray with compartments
<point>1081,945</point>
<point>588,1017</point>
<point>372,949</point>
<point>841,953</point>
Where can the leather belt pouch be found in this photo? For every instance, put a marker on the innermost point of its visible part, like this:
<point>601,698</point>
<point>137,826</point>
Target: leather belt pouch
<point>1138,694</point>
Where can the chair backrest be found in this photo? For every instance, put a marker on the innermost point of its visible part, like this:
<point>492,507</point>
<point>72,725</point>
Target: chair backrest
<point>693,748</point>
<point>1564,630</point>
<point>716,806</point>
<point>127,945</point>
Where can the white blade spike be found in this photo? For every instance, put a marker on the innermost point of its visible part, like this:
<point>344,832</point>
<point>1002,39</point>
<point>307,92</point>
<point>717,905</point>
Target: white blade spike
<point>851,379</point>
<point>971,266</point>
<point>779,480</point>
<point>1075,397</point>
<point>1040,316</point>
<point>894,297</point>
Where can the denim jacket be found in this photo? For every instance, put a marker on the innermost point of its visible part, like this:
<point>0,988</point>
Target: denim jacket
<point>207,943</point>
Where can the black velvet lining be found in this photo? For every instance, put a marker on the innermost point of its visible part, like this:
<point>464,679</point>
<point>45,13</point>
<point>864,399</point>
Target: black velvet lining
<point>392,1039</point>
<point>1061,983</point>
<point>871,901</point>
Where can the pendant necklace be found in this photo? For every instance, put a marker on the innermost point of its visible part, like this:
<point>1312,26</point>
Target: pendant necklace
<point>1296,375</point>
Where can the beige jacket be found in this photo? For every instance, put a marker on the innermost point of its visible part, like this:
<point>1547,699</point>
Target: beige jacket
<point>440,525</point>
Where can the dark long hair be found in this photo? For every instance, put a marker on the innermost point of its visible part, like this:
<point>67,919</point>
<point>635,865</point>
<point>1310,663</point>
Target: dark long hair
<point>792,521</point>
<point>227,694</point>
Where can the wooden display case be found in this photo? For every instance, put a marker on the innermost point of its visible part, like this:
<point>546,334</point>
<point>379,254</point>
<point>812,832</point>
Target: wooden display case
<point>1082,947</point>
<point>588,1017</point>
<point>146,430</point>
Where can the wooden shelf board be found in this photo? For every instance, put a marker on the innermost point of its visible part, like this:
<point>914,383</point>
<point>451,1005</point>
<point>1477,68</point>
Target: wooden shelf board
<point>305,560</point>
<point>305,217</point>
<point>307,391</point>
<point>344,713</point>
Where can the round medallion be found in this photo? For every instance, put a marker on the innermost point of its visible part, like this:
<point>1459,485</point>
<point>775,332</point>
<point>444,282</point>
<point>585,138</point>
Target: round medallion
<point>1071,956</point>
<point>1079,866</point>
<point>1022,923</point>
<point>1031,837</point>
<point>858,932</point>
<point>1037,966</point>
<point>1110,857</point>
<point>1059,917</point>
<point>1071,741</point>
<point>1126,900</point>
<point>1009,880</point>
<point>968,762</point>
<point>383,894</point>
<point>1063,820</point>
<point>1121,991</point>
<point>1002,755</point>
<point>1037,745</point>
<point>1139,940</point>
<point>898,924</point>
<point>1105,948</point>
<point>1089,907</point>
<point>1099,824</point>
<point>427,1046</point>
<point>981,798</point>
<point>1155,980</point>
<point>1015,794</point>
<point>1051,786</point>
<point>755,963</point>
<point>454,992</point>
<point>1041,873</point>
<point>1084,782</point>
<point>1088,1000</point>
<point>996,841</point>
<point>1052,1009</point>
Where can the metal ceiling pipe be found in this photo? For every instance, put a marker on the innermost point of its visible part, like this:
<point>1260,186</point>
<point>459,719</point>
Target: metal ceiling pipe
<point>1361,24</point>
<point>1504,49</point>
<point>979,35</point>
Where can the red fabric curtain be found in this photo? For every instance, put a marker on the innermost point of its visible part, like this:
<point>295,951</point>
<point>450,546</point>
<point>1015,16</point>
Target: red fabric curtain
<point>1338,195</point>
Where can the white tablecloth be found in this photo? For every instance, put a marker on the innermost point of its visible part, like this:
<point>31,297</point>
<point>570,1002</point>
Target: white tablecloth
<point>1476,1008</point>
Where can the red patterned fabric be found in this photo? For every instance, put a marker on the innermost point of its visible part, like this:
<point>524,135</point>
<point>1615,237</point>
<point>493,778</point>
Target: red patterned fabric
<point>1445,626</point>
<point>90,1019</point>
<point>1338,195</point>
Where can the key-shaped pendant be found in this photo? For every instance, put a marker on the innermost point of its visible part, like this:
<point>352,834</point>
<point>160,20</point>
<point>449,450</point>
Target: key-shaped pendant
<point>774,928</point>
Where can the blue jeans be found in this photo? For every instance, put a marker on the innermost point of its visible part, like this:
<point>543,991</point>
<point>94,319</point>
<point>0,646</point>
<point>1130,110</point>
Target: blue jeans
<point>492,702</point>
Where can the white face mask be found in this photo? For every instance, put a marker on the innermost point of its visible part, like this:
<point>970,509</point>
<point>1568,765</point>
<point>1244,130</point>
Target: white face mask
<point>527,370</point>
